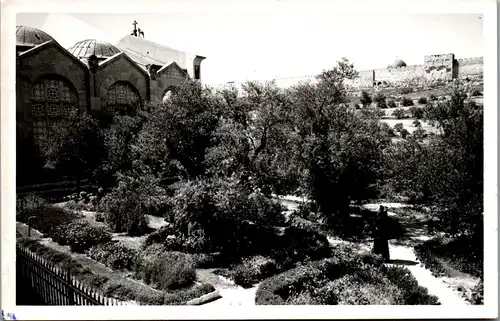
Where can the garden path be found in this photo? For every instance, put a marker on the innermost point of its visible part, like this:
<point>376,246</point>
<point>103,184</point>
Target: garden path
<point>402,253</point>
<point>231,294</point>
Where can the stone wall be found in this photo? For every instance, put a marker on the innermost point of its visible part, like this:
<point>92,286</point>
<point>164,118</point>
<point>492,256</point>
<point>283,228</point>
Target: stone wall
<point>436,67</point>
<point>39,62</point>
<point>470,67</point>
<point>121,68</point>
<point>165,78</point>
<point>397,75</point>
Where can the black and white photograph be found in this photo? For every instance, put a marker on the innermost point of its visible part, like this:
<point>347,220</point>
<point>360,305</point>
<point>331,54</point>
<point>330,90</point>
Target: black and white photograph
<point>239,156</point>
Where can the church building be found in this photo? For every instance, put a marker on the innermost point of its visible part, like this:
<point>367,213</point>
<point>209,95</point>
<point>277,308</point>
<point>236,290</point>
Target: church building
<point>92,75</point>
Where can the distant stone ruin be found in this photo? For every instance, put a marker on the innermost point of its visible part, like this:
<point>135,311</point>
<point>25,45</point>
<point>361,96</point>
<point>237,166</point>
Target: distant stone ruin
<point>436,68</point>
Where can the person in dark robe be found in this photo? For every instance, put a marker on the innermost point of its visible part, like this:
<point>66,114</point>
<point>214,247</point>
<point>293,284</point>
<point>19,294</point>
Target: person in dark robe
<point>381,239</point>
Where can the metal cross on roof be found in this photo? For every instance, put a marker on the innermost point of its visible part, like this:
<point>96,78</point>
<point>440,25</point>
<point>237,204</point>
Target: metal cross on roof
<point>137,31</point>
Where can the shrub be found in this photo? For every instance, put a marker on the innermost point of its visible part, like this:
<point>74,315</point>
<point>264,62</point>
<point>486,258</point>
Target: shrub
<point>165,270</point>
<point>416,112</point>
<point>114,255</point>
<point>413,293</point>
<point>399,113</point>
<point>477,295</point>
<point>46,216</point>
<point>182,296</point>
<point>432,98</point>
<point>404,133</point>
<point>252,270</point>
<point>476,93</point>
<point>405,102</point>
<point>365,98</point>
<point>350,290</point>
<point>299,245</point>
<point>80,235</point>
<point>417,123</point>
<point>422,100</point>
<point>398,127</point>
<point>464,254</point>
<point>391,104</point>
<point>123,212</point>
<point>379,99</point>
<point>220,215</point>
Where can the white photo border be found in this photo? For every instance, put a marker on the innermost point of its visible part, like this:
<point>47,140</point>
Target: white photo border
<point>10,8</point>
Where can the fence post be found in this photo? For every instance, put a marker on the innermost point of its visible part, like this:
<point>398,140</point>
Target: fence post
<point>71,292</point>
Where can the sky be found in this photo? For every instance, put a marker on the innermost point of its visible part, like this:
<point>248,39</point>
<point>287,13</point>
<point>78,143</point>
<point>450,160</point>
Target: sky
<point>269,44</point>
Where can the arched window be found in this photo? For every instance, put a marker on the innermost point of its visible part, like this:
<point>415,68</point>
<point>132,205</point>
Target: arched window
<point>52,98</point>
<point>122,97</point>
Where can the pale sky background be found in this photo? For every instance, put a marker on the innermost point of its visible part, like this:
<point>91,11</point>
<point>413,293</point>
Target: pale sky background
<point>267,45</point>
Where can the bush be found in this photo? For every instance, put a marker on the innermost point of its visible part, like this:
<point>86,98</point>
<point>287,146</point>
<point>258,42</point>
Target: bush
<point>220,215</point>
<point>477,295</point>
<point>123,212</point>
<point>347,278</point>
<point>417,123</point>
<point>404,133</point>
<point>391,104</point>
<point>114,255</point>
<point>299,245</point>
<point>80,235</point>
<point>476,93</point>
<point>46,216</point>
<point>365,98</point>
<point>405,102</point>
<point>399,113</point>
<point>183,296</point>
<point>413,293</point>
<point>432,98</point>
<point>416,112</point>
<point>422,100</point>
<point>253,270</point>
<point>165,270</point>
<point>463,253</point>
<point>379,99</point>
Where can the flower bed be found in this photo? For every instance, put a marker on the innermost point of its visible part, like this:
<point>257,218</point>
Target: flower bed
<point>116,284</point>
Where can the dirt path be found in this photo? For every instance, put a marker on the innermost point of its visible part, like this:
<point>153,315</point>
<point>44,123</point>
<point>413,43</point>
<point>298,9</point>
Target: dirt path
<point>402,254</point>
<point>231,294</point>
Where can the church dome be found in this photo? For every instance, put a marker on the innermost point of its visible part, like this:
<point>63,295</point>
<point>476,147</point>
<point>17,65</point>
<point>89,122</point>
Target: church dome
<point>30,37</point>
<point>89,47</point>
<point>398,63</point>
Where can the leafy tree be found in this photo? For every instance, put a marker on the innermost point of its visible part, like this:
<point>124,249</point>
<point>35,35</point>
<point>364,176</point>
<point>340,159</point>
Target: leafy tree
<point>74,146</point>
<point>255,139</point>
<point>341,150</point>
<point>118,140</point>
<point>447,172</point>
<point>185,125</point>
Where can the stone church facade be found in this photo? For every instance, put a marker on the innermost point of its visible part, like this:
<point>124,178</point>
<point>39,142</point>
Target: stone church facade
<point>92,76</point>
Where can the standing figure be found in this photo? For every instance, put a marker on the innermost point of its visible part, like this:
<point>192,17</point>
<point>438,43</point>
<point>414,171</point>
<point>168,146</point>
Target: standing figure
<point>381,240</point>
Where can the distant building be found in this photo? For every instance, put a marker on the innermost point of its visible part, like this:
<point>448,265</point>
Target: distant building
<point>92,75</point>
